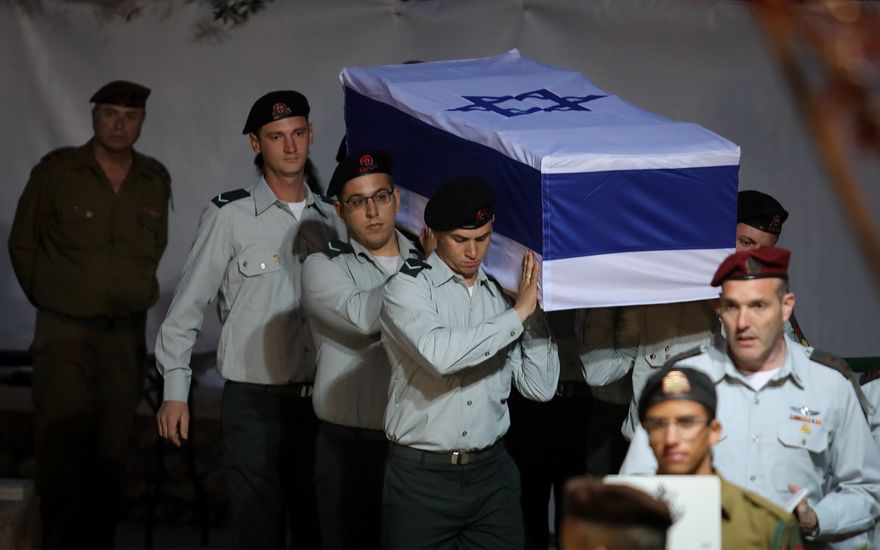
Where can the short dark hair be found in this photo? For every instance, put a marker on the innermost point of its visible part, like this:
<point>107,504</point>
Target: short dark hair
<point>783,288</point>
<point>619,516</point>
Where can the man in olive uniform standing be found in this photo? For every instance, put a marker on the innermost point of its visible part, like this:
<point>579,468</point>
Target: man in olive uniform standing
<point>249,250</point>
<point>342,293</point>
<point>88,234</point>
<point>677,409</point>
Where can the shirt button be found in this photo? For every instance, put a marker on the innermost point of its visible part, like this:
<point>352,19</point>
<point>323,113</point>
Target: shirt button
<point>513,333</point>
<point>666,348</point>
<point>464,432</point>
<point>757,401</point>
<point>755,438</point>
<point>470,402</point>
<point>244,264</point>
<point>753,478</point>
<point>652,356</point>
<point>487,354</point>
<point>803,441</point>
<point>262,266</point>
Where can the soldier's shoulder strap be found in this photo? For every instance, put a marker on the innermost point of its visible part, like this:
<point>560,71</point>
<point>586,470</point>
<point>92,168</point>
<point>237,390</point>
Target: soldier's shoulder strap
<point>56,153</point>
<point>413,267</point>
<point>832,361</point>
<point>693,352</point>
<point>223,199</point>
<point>335,248</point>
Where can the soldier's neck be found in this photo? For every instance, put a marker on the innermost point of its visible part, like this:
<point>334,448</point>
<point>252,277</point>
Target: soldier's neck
<point>287,189</point>
<point>114,164</point>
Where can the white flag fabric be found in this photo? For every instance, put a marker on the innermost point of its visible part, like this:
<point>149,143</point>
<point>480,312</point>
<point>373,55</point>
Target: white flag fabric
<point>621,206</point>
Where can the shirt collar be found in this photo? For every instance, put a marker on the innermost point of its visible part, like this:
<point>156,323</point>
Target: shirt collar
<point>406,249</point>
<point>264,197</point>
<point>84,158</point>
<point>442,273</point>
<point>789,365</point>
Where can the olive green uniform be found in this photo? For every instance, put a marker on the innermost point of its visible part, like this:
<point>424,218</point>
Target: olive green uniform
<point>750,521</point>
<point>86,257</point>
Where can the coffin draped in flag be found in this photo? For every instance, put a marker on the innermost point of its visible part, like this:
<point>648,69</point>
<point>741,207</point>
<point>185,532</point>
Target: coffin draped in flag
<point>622,206</point>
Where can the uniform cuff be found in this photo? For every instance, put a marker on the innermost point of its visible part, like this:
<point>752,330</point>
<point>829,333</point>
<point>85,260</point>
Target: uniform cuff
<point>176,387</point>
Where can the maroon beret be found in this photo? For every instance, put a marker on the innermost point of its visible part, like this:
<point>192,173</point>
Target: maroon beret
<point>753,264</point>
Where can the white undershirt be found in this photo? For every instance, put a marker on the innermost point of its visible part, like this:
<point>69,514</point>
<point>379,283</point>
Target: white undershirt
<point>389,263</point>
<point>297,208</point>
<point>471,288</point>
<point>759,379</point>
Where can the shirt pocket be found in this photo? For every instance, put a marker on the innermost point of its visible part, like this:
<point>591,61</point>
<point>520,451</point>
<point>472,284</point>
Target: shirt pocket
<point>262,284</point>
<point>79,227</point>
<point>802,455</point>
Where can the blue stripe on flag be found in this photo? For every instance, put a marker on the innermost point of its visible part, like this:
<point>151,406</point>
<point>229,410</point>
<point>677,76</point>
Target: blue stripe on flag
<point>424,157</point>
<point>637,210</point>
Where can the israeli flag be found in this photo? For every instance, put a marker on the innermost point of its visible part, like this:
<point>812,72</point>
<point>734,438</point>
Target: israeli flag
<point>621,206</point>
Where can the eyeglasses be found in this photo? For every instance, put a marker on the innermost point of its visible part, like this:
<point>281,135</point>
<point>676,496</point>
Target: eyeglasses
<point>359,201</point>
<point>687,427</point>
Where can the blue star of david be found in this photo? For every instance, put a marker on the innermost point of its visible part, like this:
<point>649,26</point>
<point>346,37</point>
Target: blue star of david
<point>493,103</point>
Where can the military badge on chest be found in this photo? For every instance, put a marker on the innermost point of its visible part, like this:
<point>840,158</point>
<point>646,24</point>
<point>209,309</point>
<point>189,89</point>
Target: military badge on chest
<point>807,416</point>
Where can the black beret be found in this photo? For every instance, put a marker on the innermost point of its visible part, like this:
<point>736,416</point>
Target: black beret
<point>761,211</point>
<point>463,202</point>
<point>275,106</point>
<point>678,383</point>
<point>755,263</point>
<point>122,93</point>
<point>373,161</point>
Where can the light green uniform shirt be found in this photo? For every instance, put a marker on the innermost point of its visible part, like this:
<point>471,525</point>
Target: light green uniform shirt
<point>248,253</point>
<point>453,357</point>
<point>342,294</point>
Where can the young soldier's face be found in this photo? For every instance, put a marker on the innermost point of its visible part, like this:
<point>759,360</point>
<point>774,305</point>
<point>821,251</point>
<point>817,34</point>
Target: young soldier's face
<point>117,128</point>
<point>463,250</point>
<point>284,145</point>
<point>368,205</point>
<point>681,437</point>
<point>754,314</point>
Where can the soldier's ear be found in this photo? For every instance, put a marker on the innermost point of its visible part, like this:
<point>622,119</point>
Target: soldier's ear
<point>255,142</point>
<point>714,432</point>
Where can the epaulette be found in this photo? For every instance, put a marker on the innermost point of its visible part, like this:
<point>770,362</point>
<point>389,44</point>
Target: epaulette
<point>838,364</point>
<point>335,248</point>
<point>869,376</point>
<point>326,199</point>
<point>158,168</point>
<point>413,267</point>
<point>693,352</point>
<point>223,199</point>
<point>51,155</point>
<point>833,361</point>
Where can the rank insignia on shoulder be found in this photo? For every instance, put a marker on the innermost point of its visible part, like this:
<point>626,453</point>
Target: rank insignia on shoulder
<point>413,267</point>
<point>869,376</point>
<point>223,199</point>
<point>335,248</point>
